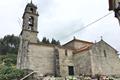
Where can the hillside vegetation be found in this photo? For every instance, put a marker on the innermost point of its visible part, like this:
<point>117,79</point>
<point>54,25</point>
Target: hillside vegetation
<point>8,57</point>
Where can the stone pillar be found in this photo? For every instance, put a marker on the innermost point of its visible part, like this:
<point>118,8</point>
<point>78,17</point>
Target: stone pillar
<point>56,63</point>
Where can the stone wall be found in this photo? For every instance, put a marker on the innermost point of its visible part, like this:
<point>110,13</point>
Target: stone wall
<point>82,62</point>
<point>22,58</point>
<point>41,59</point>
<point>77,44</point>
<point>66,59</point>
<point>100,59</point>
<point>105,60</point>
<point>31,36</point>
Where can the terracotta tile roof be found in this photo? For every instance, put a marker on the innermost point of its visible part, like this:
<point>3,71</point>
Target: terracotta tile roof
<point>77,40</point>
<point>84,48</point>
<point>83,41</point>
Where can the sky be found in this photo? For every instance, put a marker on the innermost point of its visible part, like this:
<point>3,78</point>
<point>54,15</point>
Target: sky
<point>64,19</point>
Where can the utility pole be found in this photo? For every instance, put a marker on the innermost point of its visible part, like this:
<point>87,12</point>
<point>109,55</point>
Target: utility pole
<point>114,5</point>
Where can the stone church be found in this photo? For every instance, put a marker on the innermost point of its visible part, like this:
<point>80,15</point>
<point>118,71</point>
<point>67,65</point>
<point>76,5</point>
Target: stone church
<point>76,57</point>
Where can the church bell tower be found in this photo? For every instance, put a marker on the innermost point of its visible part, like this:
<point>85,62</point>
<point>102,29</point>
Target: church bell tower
<point>30,21</point>
<point>28,34</point>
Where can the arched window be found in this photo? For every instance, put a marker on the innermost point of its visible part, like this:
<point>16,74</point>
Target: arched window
<point>31,22</point>
<point>66,54</point>
<point>105,55</point>
<point>31,9</point>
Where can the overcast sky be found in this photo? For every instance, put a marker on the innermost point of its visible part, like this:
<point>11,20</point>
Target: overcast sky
<point>59,18</point>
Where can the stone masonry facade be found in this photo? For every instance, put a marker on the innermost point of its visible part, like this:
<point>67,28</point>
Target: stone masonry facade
<point>76,57</point>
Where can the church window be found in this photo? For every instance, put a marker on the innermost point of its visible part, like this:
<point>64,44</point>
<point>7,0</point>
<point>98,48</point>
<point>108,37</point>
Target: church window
<point>105,55</point>
<point>31,9</point>
<point>66,54</point>
<point>71,70</point>
<point>31,22</point>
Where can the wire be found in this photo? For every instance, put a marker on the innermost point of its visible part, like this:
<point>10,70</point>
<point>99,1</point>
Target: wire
<point>19,22</point>
<point>86,26</point>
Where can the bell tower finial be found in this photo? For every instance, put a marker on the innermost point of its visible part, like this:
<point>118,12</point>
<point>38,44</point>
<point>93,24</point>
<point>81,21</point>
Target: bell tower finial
<point>31,1</point>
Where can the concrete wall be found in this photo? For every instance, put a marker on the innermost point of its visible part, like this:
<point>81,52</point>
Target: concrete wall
<point>105,60</point>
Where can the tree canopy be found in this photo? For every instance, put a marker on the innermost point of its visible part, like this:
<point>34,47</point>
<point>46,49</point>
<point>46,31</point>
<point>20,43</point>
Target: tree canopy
<point>9,44</point>
<point>54,42</point>
<point>8,58</point>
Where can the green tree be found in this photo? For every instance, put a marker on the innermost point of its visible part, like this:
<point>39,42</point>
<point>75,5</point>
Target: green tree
<point>9,59</point>
<point>55,42</point>
<point>47,42</point>
<point>9,44</point>
<point>9,48</point>
<point>58,42</point>
<point>44,40</point>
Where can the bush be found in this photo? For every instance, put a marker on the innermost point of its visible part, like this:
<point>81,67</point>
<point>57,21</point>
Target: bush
<point>10,73</point>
